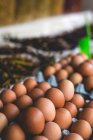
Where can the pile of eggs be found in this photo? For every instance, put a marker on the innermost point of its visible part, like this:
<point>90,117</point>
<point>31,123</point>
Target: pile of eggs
<point>39,111</point>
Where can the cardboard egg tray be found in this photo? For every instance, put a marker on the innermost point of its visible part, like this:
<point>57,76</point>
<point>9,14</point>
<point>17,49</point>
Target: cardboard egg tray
<point>80,89</point>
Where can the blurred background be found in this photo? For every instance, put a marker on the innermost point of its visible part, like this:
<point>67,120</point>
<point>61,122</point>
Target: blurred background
<point>15,11</point>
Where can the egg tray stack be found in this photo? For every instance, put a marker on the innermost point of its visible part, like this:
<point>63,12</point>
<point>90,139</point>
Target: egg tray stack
<point>55,96</point>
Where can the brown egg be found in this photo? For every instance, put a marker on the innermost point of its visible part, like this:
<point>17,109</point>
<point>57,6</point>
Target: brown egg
<point>84,56</point>
<point>63,62</point>
<point>3,122</point>
<point>88,81</point>
<point>8,96</point>
<point>76,78</point>
<point>90,104</point>
<point>61,74</point>
<point>24,101</point>
<point>47,108</point>
<point>86,69</point>
<point>36,93</point>
<point>71,108</point>
<point>77,60</point>
<point>68,58</point>
<point>11,111</point>
<point>56,96</point>
<point>63,118</point>
<point>44,86</point>
<point>1,104</point>
<point>87,114</point>
<point>30,84</point>
<point>91,61</point>
<point>57,66</point>
<point>19,89</point>
<point>82,128</point>
<point>34,120</point>
<point>52,131</point>
<point>67,88</point>
<point>40,138</point>
<point>50,70</point>
<point>78,100</point>
<point>69,69</point>
<point>73,136</point>
<point>15,132</point>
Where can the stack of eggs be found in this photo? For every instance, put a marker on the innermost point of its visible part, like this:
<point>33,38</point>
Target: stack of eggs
<point>39,111</point>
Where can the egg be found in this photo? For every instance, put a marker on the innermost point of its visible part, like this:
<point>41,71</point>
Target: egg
<point>11,111</point>
<point>84,56</point>
<point>19,89</point>
<point>47,108</point>
<point>36,93</point>
<point>69,69</point>
<point>68,58</point>
<point>78,100</point>
<point>3,122</point>
<point>86,69</point>
<point>34,120</point>
<point>40,138</point>
<point>88,81</point>
<point>50,70</point>
<point>90,104</point>
<point>24,101</point>
<point>71,108</point>
<point>73,136</point>
<point>67,88</point>
<point>52,131</point>
<point>76,78</point>
<point>30,84</point>
<point>57,66</point>
<point>8,96</point>
<point>63,118</point>
<point>44,86</point>
<point>63,62</point>
<point>91,61</point>
<point>61,74</point>
<point>56,96</point>
<point>77,60</point>
<point>87,114</point>
<point>15,132</point>
<point>1,104</point>
<point>82,128</point>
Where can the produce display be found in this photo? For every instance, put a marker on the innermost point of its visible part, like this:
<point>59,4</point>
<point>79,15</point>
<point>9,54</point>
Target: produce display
<point>56,108</point>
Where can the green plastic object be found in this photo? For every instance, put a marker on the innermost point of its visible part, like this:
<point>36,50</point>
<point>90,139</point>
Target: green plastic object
<point>85,46</point>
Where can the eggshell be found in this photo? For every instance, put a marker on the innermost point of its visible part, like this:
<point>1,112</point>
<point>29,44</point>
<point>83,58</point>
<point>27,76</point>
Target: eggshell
<point>78,100</point>
<point>50,70</point>
<point>15,132</point>
<point>87,114</point>
<point>61,74</point>
<point>90,104</point>
<point>57,66</point>
<point>67,88</point>
<point>52,131</point>
<point>71,108</point>
<point>8,96</point>
<point>88,81</point>
<point>44,86</point>
<point>3,122</point>
<point>19,89</point>
<point>36,93</point>
<point>24,101</point>
<point>11,111</point>
<point>73,136</point>
<point>63,118</point>
<point>56,96</point>
<point>82,128</point>
<point>76,78</point>
<point>34,120</point>
<point>77,60</point>
<point>1,104</point>
<point>47,108</point>
<point>86,69</point>
<point>40,138</point>
<point>30,84</point>
<point>69,69</point>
